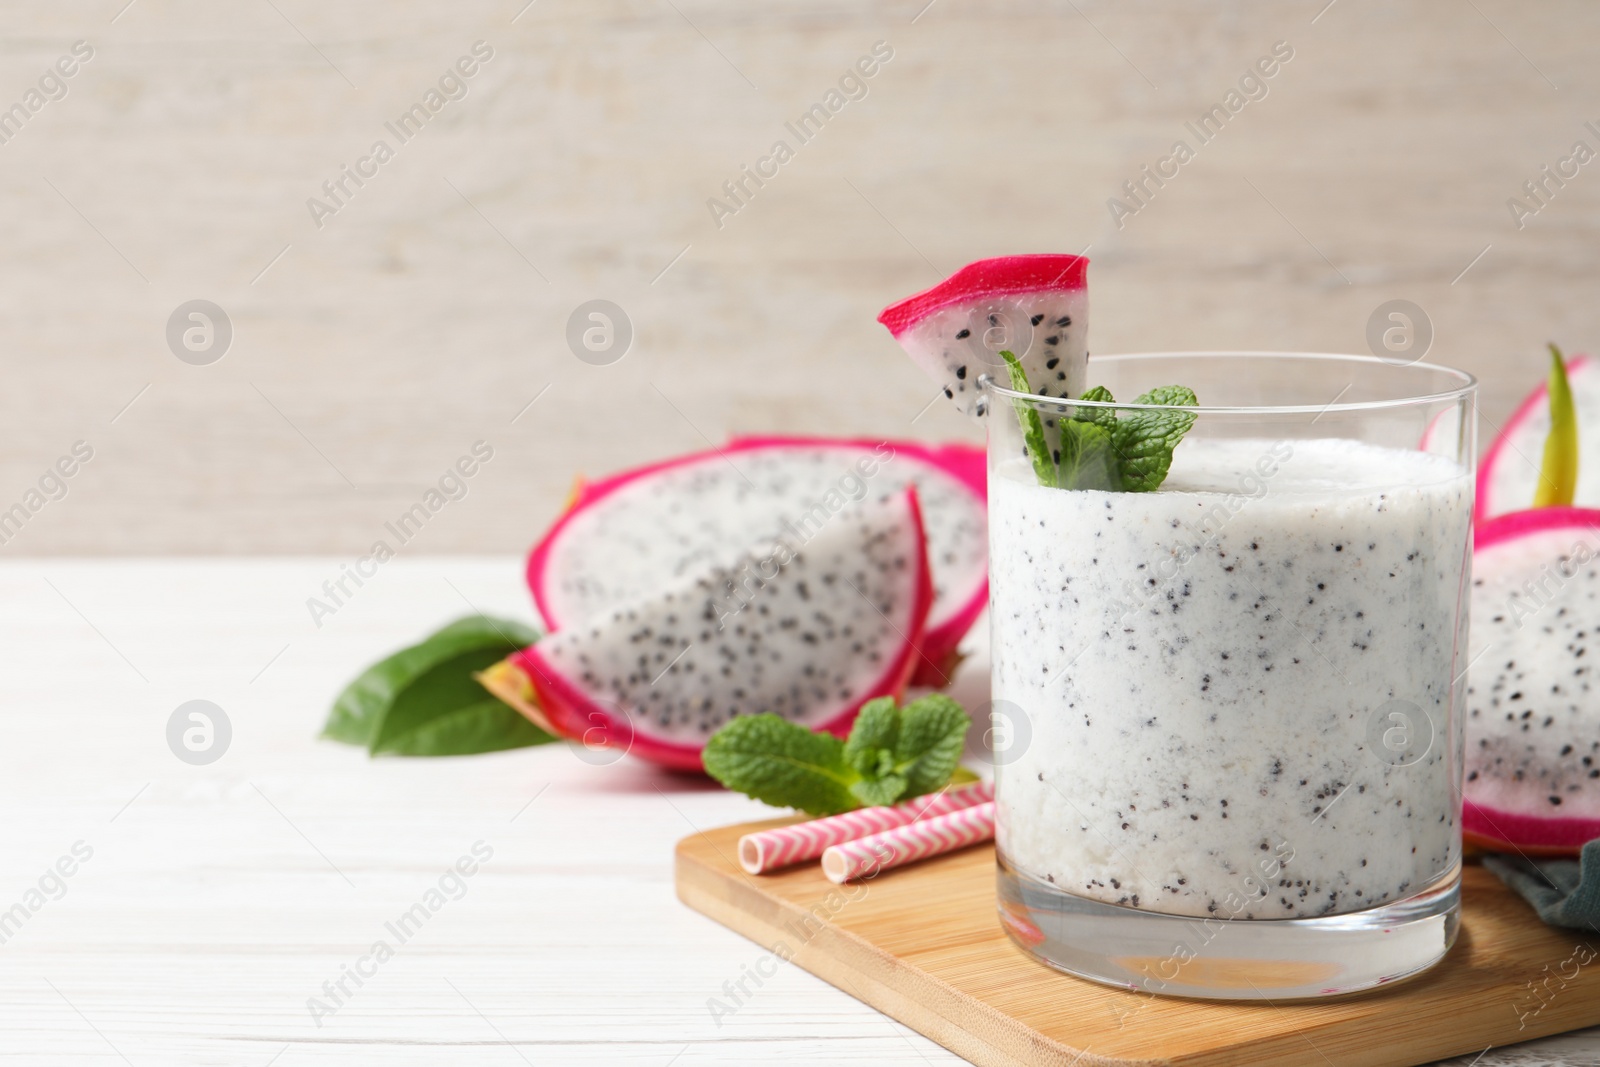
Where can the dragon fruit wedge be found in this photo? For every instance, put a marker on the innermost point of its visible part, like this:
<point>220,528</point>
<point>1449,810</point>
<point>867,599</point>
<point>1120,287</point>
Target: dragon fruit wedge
<point>807,629</point>
<point>1509,473</point>
<point>1532,758</point>
<point>641,529</point>
<point>1036,307</point>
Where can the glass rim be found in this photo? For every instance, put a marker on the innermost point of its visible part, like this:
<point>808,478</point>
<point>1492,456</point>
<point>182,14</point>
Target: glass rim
<point>1468,385</point>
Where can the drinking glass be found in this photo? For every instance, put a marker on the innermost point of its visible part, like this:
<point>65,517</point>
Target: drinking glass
<point>1227,712</point>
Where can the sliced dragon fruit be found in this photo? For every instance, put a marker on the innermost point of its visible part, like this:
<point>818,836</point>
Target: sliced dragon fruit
<point>637,530</point>
<point>1037,307</point>
<point>1533,701</point>
<point>1509,473</point>
<point>808,631</point>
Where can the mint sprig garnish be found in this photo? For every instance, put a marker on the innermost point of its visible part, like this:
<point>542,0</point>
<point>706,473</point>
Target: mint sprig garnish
<point>891,754</point>
<point>1088,447</point>
<point>1033,438</point>
<point>1088,457</point>
<point>1103,416</point>
<point>1144,440</point>
<point>1101,448</point>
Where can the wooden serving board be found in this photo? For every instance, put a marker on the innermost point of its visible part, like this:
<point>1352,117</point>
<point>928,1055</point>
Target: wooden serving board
<point>923,945</point>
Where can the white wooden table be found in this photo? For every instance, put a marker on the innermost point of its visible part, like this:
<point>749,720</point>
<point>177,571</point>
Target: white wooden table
<point>219,899</point>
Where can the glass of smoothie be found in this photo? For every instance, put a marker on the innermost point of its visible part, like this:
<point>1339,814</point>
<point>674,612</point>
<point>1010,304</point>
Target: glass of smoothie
<point>1227,709</point>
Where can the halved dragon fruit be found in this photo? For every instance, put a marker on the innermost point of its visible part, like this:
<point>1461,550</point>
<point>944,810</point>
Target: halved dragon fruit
<point>1036,307</point>
<point>638,530</point>
<point>808,629</point>
<point>1533,702</point>
<point>1509,473</point>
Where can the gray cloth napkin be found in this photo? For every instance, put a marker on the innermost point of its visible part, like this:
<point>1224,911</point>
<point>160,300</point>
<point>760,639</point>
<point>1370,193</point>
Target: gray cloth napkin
<point>1564,892</point>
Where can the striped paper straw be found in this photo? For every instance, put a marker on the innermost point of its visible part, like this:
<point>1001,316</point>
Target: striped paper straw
<point>769,850</point>
<point>909,843</point>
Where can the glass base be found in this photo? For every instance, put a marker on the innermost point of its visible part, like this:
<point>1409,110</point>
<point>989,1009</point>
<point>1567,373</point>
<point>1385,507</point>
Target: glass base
<point>1230,959</point>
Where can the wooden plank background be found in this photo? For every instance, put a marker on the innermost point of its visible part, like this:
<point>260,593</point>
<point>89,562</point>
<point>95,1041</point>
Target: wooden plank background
<point>431,309</point>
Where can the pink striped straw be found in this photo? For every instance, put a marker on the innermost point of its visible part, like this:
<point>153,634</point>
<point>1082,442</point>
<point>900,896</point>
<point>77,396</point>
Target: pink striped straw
<point>769,850</point>
<point>907,844</point>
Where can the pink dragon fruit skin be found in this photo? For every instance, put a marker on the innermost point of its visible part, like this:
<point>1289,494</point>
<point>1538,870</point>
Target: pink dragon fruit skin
<point>1509,471</point>
<point>576,682</point>
<point>1532,760</point>
<point>951,479</point>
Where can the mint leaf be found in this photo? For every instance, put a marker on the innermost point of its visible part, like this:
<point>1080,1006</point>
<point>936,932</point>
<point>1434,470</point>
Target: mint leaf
<point>1174,395</point>
<point>871,741</point>
<point>905,752</point>
<point>1088,455</point>
<point>880,792</point>
<point>783,764</point>
<point>1144,440</point>
<point>1103,416</point>
<point>891,754</point>
<point>870,752</point>
<point>424,701</point>
<point>933,732</point>
<point>1033,439</point>
<point>1088,446</point>
<point>1558,471</point>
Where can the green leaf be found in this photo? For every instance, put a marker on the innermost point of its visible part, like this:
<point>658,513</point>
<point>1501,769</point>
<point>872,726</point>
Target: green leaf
<point>359,710</point>
<point>1144,440</point>
<point>906,751</point>
<point>1172,395</point>
<point>1103,416</point>
<point>1044,467</point>
<point>446,712</point>
<point>783,764</point>
<point>487,726</point>
<point>1088,455</point>
<point>1088,452</point>
<point>873,735</point>
<point>880,792</point>
<point>1558,473</point>
<point>892,753</point>
<point>423,700</point>
<point>933,732</point>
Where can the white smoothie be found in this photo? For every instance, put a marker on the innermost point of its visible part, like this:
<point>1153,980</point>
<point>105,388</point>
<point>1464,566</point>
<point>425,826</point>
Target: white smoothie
<point>1195,674</point>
